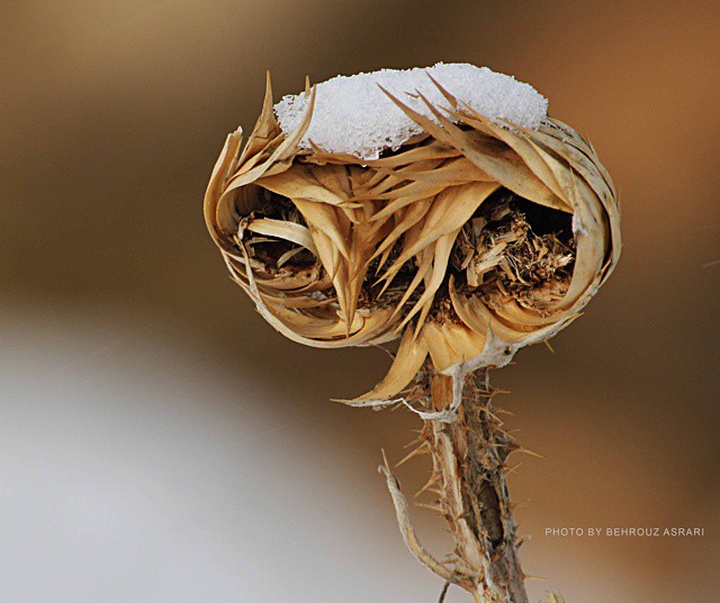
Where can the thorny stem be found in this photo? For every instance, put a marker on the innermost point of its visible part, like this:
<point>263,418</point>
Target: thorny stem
<point>469,475</point>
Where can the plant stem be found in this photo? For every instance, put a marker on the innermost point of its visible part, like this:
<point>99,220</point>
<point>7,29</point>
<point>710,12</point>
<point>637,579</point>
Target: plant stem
<point>469,457</point>
<point>469,476</point>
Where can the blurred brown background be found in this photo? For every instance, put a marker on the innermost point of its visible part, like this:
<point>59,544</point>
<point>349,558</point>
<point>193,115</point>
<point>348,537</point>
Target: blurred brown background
<point>130,359</point>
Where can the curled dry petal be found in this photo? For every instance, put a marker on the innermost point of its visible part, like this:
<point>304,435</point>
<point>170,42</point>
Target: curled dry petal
<point>468,242</point>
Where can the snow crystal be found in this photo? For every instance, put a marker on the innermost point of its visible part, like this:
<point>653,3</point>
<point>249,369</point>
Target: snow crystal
<point>353,115</point>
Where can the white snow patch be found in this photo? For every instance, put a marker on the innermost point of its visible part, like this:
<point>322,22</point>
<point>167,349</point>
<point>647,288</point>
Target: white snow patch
<point>353,115</point>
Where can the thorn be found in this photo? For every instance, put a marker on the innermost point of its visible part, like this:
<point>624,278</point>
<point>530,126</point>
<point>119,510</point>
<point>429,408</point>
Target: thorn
<point>435,508</point>
<point>521,504</point>
<point>530,452</point>
<point>415,441</point>
<point>422,449</point>
<point>431,482</point>
<point>385,461</point>
<point>532,577</point>
<point>492,415</point>
<point>513,469</point>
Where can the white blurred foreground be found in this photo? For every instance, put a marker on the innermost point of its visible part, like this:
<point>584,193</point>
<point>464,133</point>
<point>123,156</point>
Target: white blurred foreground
<point>133,473</point>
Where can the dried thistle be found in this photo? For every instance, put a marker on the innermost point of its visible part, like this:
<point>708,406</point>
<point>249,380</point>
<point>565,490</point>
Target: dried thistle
<point>471,240</point>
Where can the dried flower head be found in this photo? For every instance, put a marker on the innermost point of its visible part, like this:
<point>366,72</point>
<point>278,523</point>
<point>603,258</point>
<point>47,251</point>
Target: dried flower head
<point>450,212</point>
<point>468,240</point>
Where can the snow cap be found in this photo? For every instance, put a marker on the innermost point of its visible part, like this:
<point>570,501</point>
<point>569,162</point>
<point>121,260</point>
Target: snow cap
<point>353,115</point>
